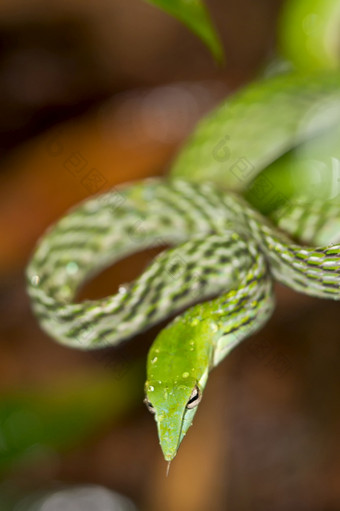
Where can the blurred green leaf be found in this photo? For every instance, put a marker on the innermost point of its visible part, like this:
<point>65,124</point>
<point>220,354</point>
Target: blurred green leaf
<point>238,140</point>
<point>195,16</point>
<point>38,422</point>
<point>311,169</point>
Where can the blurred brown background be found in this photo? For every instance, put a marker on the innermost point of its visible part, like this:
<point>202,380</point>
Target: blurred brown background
<point>119,85</point>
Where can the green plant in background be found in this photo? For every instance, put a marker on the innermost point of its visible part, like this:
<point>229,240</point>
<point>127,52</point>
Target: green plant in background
<point>36,423</point>
<point>309,34</point>
<point>265,142</point>
<point>195,16</point>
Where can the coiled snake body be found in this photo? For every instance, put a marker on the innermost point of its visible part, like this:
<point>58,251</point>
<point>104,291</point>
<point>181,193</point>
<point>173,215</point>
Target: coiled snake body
<point>225,254</point>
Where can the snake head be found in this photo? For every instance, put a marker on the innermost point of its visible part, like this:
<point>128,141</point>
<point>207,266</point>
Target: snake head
<point>174,406</point>
<point>178,365</point>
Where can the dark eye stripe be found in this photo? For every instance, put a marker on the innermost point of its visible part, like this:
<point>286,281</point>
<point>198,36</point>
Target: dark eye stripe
<point>149,405</point>
<point>195,398</point>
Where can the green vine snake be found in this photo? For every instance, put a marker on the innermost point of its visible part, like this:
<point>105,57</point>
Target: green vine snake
<point>224,254</point>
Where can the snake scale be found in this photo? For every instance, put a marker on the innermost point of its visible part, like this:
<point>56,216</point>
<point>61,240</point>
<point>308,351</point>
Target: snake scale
<point>224,255</point>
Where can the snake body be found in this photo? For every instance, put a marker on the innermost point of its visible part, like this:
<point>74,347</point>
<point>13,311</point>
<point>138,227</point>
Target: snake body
<point>224,254</point>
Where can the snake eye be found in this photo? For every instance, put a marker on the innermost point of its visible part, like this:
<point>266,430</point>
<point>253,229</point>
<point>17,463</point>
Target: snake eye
<point>149,405</point>
<point>195,398</point>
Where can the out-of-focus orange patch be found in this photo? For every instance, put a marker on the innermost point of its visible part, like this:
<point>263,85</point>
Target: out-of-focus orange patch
<point>133,136</point>
<point>66,165</point>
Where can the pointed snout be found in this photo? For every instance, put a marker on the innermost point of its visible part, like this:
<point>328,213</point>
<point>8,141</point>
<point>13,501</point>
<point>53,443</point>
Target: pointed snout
<point>170,435</point>
<point>172,415</point>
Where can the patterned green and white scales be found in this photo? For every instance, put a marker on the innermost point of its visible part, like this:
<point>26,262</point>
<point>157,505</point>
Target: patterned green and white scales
<point>225,254</point>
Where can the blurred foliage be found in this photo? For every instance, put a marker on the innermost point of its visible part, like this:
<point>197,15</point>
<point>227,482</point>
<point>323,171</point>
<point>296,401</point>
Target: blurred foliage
<point>36,422</point>
<point>311,169</point>
<point>309,34</point>
<point>196,17</point>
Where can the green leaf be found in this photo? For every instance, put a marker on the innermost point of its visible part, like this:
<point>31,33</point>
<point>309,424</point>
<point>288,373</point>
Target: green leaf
<point>195,16</point>
<point>242,137</point>
<point>35,423</point>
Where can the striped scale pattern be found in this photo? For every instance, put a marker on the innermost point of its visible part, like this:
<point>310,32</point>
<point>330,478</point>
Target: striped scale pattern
<point>313,222</point>
<point>221,249</point>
